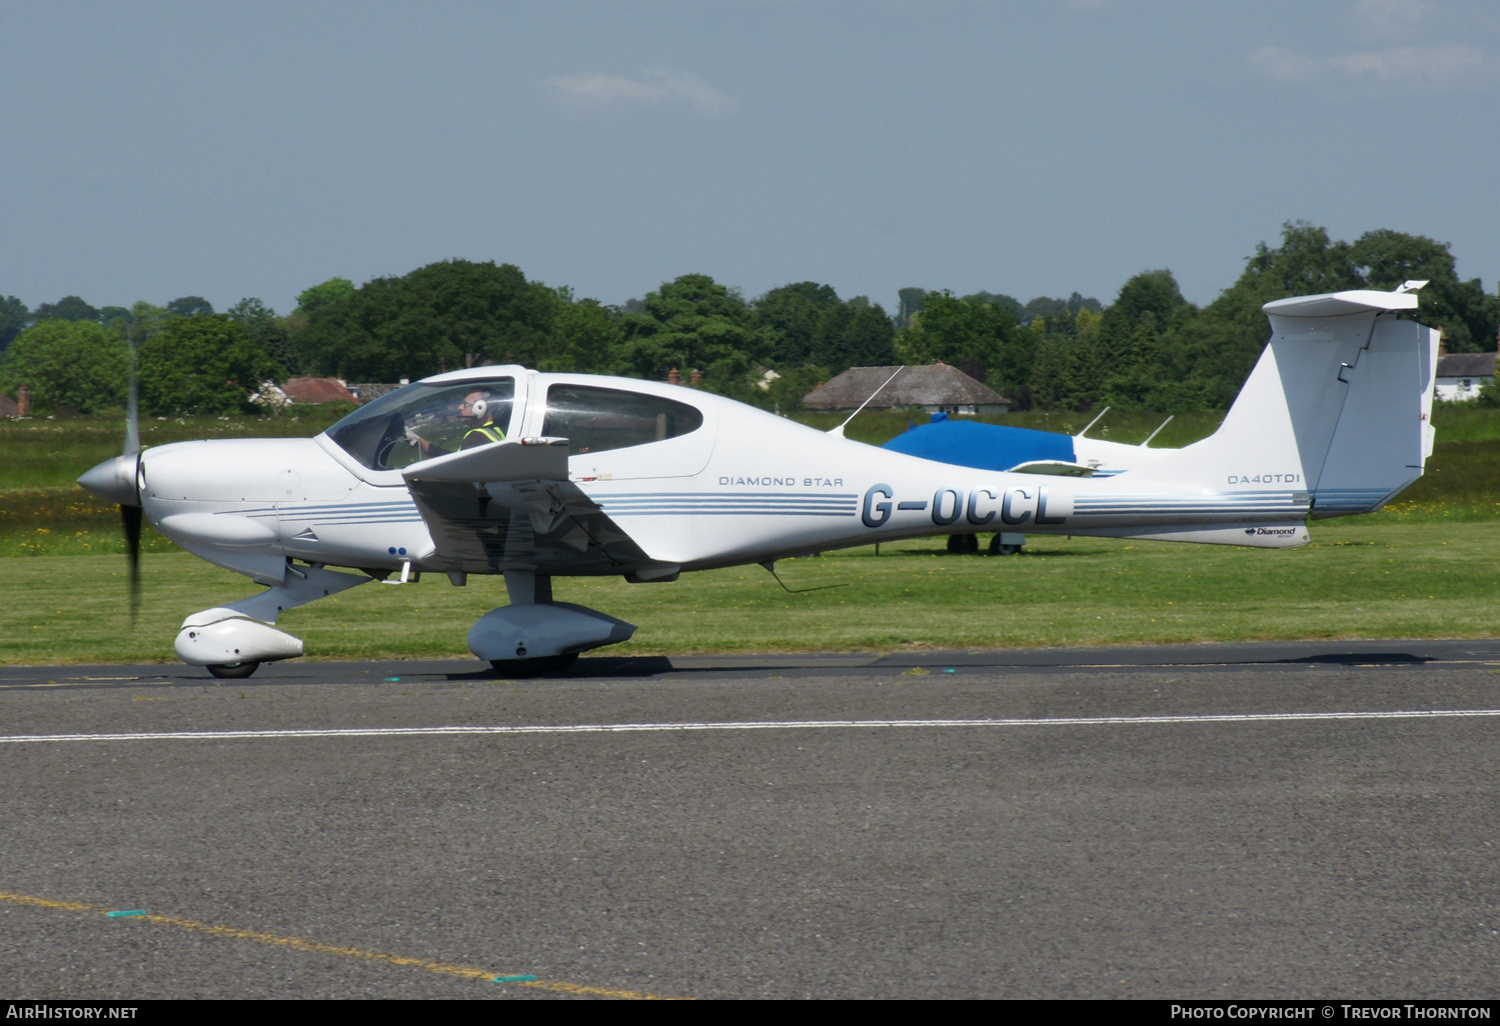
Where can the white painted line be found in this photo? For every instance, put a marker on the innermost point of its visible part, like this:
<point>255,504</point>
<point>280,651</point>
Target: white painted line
<point>638,728</point>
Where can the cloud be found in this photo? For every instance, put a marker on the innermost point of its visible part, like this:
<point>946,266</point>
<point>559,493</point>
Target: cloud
<point>1389,17</point>
<point>1433,65</point>
<point>1285,65</point>
<point>1440,66</point>
<point>654,86</point>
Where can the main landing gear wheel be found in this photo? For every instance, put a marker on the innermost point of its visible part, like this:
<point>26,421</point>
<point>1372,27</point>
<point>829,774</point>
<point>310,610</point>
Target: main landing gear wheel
<point>233,671</point>
<point>999,548</point>
<point>534,667</point>
<point>963,544</point>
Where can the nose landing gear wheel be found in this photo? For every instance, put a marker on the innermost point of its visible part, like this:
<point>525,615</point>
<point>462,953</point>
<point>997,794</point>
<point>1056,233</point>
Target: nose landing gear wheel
<point>533,667</point>
<point>233,671</point>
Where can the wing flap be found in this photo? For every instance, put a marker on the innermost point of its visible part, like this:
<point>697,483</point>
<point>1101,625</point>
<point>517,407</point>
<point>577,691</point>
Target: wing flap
<point>509,506</point>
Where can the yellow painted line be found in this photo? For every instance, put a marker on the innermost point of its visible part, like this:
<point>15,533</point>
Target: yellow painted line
<point>317,947</point>
<point>65,684</point>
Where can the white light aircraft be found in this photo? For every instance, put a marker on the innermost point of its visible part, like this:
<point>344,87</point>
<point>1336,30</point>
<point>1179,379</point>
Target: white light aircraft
<point>602,476</point>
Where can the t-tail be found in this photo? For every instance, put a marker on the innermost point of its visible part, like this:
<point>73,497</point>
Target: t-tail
<point>1337,412</point>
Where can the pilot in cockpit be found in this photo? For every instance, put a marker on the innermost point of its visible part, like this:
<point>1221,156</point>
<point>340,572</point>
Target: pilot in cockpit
<point>478,411</point>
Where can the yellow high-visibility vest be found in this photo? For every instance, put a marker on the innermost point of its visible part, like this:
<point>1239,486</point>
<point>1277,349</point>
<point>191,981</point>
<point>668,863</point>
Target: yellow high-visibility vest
<point>488,432</point>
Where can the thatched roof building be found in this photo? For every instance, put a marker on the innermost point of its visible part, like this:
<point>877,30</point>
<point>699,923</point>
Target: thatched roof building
<point>1460,376</point>
<point>936,389</point>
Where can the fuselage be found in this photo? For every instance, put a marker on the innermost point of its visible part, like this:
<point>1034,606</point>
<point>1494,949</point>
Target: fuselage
<point>718,484</point>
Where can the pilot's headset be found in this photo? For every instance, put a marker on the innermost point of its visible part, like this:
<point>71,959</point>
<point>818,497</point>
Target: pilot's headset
<point>479,407</point>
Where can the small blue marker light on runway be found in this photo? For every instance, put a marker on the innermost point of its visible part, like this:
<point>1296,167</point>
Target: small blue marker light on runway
<point>126,912</point>
<point>515,979</point>
<point>393,680</point>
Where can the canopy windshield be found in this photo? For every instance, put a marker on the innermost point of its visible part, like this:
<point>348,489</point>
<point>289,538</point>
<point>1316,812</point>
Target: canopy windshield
<point>595,419</point>
<point>423,420</point>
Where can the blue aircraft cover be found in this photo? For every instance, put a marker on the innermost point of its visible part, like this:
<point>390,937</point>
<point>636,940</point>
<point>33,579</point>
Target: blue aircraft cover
<point>967,443</point>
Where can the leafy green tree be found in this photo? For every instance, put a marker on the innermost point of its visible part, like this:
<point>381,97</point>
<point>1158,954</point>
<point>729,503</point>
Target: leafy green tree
<point>1212,351</point>
<point>190,306</point>
<point>13,319</point>
<point>999,299</point>
<point>203,364</point>
<point>791,313</point>
<point>446,315</point>
<point>68,308</point>
<point>1468,316</point>
<point>1221,344</point>
<point>1133,346</point>
<point>73,364</point>
<point>694,323</point>
<point>909,304</point>
<point>266,330</point>
<point>853,334</point>
<point>1489,394</point>
<point>1153,292</point>
<point>114,317</point>
<point>1058,311</point>
<point>586,335</point>
<point>143,322</point>
<point>1054,311</point>
<point>981,339</point>
<point>334,290</point>
<point>1065,374</point>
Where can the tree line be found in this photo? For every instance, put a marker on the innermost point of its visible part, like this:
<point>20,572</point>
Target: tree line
<point>1150,349</point>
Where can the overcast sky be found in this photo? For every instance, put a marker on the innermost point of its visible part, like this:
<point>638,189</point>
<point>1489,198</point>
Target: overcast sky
<point>153,150</point>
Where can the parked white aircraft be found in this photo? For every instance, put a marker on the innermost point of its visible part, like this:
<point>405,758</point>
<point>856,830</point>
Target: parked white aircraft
<point>602,476</point>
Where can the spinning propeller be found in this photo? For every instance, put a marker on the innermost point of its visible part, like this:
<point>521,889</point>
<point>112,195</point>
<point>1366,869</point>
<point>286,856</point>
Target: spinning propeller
<point>118,479</point>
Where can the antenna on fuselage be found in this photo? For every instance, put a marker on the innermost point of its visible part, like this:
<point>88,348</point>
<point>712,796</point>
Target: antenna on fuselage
<point>1157,431</point>
<point>838,432</point>
<point>1092,423</point>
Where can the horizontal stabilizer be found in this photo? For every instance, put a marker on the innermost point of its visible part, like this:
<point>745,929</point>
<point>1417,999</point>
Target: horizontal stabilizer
<point>1336,304</point>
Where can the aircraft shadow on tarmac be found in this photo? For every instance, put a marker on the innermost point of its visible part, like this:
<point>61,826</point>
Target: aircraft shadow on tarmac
<point>607,666</point>
<point>618,667</point>
<point>1363,659</point>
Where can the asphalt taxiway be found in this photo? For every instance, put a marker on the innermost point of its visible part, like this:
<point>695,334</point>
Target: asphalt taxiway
<point>1306,819</point>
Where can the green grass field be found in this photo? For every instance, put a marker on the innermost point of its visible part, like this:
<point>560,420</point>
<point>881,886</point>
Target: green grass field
<point>1356,580</point>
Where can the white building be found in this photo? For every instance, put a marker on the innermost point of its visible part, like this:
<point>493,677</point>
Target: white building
<point>1460,376</point>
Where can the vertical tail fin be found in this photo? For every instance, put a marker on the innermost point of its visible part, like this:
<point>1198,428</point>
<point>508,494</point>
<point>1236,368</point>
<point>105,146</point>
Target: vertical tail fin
<point>1338,407</point>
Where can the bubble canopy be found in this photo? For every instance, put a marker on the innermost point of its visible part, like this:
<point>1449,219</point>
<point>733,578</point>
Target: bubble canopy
<point>423,420</point>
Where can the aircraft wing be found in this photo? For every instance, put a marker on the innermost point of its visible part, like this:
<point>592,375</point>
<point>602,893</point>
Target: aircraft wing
<point>510,506</point>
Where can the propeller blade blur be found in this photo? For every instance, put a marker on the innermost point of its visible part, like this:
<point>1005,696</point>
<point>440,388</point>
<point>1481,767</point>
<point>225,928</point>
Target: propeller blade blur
<point>130,518</point>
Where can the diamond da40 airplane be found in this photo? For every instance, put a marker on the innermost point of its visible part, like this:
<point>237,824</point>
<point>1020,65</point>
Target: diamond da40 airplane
<point>600,476</point>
